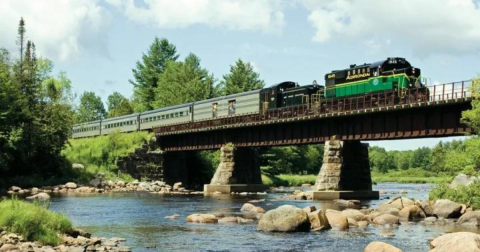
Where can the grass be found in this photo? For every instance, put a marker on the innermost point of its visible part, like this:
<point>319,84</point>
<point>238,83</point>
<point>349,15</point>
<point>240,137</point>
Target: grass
<point>288,180</point>
<point>464,194</point>
<point>99,154</point>
<point>411,175</point>
<point>33,221</point>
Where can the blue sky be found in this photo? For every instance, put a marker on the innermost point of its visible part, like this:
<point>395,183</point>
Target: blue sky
<point>97,42</point>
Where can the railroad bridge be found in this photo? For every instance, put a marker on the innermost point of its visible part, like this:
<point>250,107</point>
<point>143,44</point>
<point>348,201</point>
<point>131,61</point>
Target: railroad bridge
<point>341,124</point>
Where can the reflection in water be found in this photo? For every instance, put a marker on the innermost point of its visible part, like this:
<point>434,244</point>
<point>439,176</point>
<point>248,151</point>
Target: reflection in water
<point>139,217</point>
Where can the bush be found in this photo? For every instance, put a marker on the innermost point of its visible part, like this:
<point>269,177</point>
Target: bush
<point>99,154</point>
<point>33,221</point>
<point>288,180</point>
<point>464,194</point>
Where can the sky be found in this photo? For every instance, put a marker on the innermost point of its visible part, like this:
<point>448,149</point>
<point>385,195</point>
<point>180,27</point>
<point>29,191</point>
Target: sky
<point>97,42</point>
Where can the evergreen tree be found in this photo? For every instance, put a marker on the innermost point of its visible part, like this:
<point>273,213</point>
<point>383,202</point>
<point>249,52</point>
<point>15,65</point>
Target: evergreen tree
<point>147,72</point>
<point>91,108</point>
<point>241,78</point>
<point>118,105</point>
<point>183,82</point>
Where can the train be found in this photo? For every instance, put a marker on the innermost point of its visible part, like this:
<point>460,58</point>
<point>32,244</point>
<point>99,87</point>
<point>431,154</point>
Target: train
<point>394,75</point>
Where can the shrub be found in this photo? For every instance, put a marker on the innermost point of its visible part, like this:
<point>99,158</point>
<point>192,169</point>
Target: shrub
<point>33,221</point>
<point>464,194</point>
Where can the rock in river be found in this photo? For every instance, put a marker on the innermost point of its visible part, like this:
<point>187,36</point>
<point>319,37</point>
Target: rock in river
<point>411,212</point>
<point>470,219</point>
<point>318,220</point>
<point>444,208</point>
<point>377,246</point>
<point>40,196</point>
<point>337,220</point>
<point>285,218</point>
<point>202,218</point>
<point>458,242</point>
<point>71,185</point>
<point>386,219</point>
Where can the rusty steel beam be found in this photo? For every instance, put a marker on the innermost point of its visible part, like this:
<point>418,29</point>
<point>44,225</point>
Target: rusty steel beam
<point>420,122</point>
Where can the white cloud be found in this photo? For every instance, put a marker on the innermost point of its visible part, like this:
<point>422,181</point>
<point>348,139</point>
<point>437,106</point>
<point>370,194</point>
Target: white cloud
<point>427,26</point>
<point>263,15</point>
<point>255,66</point>
<point>61,29</point>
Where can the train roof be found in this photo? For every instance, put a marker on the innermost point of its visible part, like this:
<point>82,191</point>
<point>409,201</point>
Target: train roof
<point>166,109</point>
<point>227,97</point>
<point>86,123</point>
<point>372,65</point>
<point>120,117</point>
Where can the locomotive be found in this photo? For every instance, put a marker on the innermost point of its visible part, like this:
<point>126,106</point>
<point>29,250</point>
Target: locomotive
<point>391,78</point>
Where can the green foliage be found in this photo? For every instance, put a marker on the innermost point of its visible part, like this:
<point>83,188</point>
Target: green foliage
<point>118,105</point>
<point>288,180</point>
<point>380,160</point>
<point>147,73</point>
<point>100,154</point>
<point>33,221</point>
<point>472,117</point>
<point>302,159</point>
<point>464,194</point>
<point>183,82</point>
<point>36,113</point>
<point>241,78</point>
<point>91,108</point>
<point>412,175</point>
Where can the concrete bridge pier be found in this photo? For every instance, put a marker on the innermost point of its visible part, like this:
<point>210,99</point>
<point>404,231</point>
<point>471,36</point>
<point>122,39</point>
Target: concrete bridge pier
<point>238,171</point>
<point>345,172</point>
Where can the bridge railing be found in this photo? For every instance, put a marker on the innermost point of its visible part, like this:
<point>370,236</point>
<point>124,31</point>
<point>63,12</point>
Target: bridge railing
<point>431,95</point>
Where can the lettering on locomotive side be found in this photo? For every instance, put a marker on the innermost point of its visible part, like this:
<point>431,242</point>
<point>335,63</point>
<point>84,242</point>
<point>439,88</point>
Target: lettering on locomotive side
<point>356,76</point>
<point>331,76</point>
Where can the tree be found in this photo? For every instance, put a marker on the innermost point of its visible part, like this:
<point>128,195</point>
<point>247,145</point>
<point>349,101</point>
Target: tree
<point>241,78</point>
<point>471,117</point>
<point>420,158</point>
<point>437,158</point>
<point>147,72</point>
<point>118,105</point>
<point>380,160</point>
<point>91,108</point>
<point>183,82</point>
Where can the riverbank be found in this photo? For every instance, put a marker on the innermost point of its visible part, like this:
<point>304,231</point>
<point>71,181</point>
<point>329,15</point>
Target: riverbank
<point>411,175</point>
<point>31,226</point>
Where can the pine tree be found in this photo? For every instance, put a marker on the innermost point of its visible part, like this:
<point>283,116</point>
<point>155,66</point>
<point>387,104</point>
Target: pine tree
<point>147,72</point>
<point>241,78</point>
<point>183,82</point>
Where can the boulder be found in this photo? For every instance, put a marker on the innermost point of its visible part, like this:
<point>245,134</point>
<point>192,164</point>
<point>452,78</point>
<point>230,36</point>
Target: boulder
<point>247,207</point>
<point>318,220</point>
<point>8,247</point>
<point>145,186</point>
<point>40,196</point>
<point>230,219</point>
<point>400,202</point>
<point>354,214</point>
<point>120,183</point>
<point>110,183</point>
<point>95,182</point>
<point>388,209</point>
<point>77,166</point>
<point>386,219</point>
<point>458,242</point>
<point>71,185</point>
<point>177,185</point>
<point>426,206</point>
<point>444,208</point>
<point>285,218</point>
<point>377,246</point>
<point>15,189</point>
<point>347,203</point>
<point>411,212</point>
<point>462,180</point>
<point>352,222</point>
<point>202,218</point>
<point>362,224</point>
<point>470,219</point>
<point>85,189</point>
<point>309,209</point>
<point>35,190</point>
<point>337,220</point>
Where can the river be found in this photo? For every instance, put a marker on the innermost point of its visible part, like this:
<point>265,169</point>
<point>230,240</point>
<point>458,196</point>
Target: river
<point>139,217</point>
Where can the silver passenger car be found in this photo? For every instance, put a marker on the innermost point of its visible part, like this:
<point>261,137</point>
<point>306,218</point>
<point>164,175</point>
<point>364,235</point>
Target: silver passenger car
<point>126,123</point>
<point>170,115</point>
<point>247,102</point>
<point>88,129</point>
